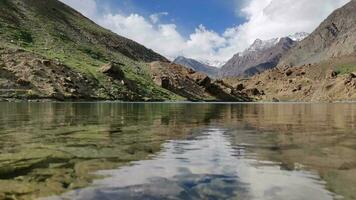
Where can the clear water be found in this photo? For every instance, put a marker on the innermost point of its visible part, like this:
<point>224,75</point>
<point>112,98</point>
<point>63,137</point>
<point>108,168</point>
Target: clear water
<point>177,151</point>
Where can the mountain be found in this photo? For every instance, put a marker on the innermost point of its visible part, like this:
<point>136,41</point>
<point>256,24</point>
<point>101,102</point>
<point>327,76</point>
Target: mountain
<point>49,50</point>
<point>260,56</point>
<point>197,66</point>
<point>321,67</point>
<point>335,37</point>
<point>195,86</point>
<point>212,63</point>
<point>299,36</point>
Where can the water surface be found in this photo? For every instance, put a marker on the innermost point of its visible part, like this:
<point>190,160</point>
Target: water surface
<point>177,151</point>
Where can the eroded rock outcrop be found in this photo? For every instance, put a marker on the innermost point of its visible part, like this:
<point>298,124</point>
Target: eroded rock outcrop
<point>304,83</point>
<point>193,85</point>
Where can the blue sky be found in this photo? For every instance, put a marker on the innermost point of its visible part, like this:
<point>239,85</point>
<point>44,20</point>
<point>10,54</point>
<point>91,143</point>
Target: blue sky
<point>211,31</point>
<point>186,14</point>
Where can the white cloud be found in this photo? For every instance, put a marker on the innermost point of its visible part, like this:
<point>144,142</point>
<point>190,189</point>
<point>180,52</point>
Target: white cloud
<point>265,19</point>
<point>156,16</point>
<point>163,38</point>
<point>276,18</point>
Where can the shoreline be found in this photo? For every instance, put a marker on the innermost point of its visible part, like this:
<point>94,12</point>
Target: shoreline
<point>49,100</point>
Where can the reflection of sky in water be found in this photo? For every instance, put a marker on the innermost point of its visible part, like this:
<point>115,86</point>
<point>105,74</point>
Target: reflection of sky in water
<point>206,167</point>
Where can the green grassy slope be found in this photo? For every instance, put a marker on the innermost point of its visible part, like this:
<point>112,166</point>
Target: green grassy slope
<point>49,29</point>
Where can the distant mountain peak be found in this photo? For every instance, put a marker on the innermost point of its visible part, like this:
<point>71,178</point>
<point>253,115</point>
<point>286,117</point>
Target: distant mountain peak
<point>196,65</point>
<point>259,45</point>
<point>299,36</point>
<point>212,63</point>
<point>260,56</point>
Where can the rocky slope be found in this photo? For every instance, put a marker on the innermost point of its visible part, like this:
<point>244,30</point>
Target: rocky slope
<point>48,50</point>
<point>329,72</point>
<point>307,83</point>
<point>335,37</point>
<point>197,66</point>
<point>322,67</point>
<point>260,56</point>
<point>193,85</point>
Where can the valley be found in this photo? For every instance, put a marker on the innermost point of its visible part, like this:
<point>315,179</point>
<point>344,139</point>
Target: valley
<point>54,53</point>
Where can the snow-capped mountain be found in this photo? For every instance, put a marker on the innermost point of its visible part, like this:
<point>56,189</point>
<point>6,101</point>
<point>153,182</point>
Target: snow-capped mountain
<point>197,66</point>
<point>260,45</point>
<point>213,63</point>
<point>298,36</point>
<point>260,56</point>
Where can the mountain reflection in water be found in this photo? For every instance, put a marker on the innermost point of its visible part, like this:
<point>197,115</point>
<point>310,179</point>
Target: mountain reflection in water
<point>204,167</point>
<point>177,151</point>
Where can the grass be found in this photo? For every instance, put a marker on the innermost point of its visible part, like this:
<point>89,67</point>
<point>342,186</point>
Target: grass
<point>58,33</point>
<point>95,54</point>
<point>24,36</point>
<point>345,69</point>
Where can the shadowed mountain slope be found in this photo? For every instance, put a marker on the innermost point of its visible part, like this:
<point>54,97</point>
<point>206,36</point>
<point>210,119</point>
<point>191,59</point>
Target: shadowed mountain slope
<point>260,56</point>
<point>335,37</point>
<point>197,66</point>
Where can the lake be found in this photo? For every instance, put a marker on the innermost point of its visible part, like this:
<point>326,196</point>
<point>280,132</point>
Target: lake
<point>177,151</point>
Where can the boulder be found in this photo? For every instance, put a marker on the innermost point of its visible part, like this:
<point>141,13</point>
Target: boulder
<point>253,92</point>
<point>352,75</point>
<point>205,82</point>
<point>332,74</point>
<point>23,82</point>
<point>298,88</point>
<point>113,70</point>
<point>275,99</point>
<point>301,73</point>
<point>46,62</point>
<point>68,79</point>
<point>72,90</point>
<point>190,71</point>
<point>240,87</point>
<point>289,72</point>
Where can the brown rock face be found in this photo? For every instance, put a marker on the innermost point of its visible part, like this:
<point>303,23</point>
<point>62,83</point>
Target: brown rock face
<point>28,76</point>
<point>335,37</point>
<point>315,85</point>
<point>193,86</point>
<point>252,62</point>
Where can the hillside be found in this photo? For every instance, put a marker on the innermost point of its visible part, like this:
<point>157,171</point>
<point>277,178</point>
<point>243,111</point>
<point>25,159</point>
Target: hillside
<point>195,86</point>
<point>48,50</point>
<point>334,38</point>
<point>260,56</point>
<point>197,66</point>
<point>322,67</point>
